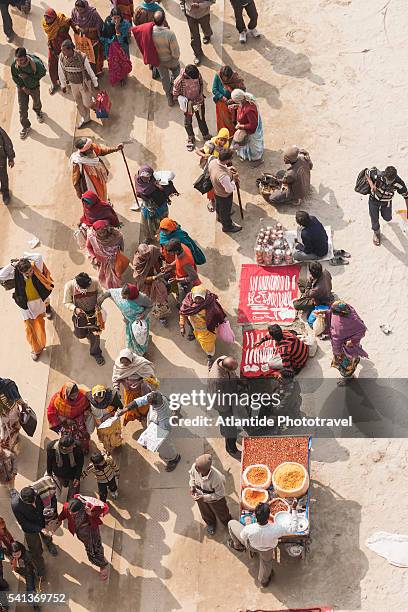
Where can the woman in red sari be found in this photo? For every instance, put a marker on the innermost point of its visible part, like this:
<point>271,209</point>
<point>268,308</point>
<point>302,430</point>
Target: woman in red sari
<point>87,21</point>
<point>225,81</point>
<point>56,26</point>
<point>67,412</point>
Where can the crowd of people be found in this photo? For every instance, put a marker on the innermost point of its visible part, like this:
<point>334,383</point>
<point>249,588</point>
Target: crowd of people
<point>165,275</point>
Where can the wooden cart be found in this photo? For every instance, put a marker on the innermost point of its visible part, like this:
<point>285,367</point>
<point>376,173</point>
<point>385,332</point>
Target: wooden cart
<point>272,451</point>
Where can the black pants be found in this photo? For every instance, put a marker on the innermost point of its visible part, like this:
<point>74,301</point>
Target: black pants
<point>104,486</point>
<point>194,26</point>
<point>7,22</point>
<point>202,124</point>
<point>93,339</point>
<point>251,11</point>
<point>375,208</point>
<point>34,544</point>
<point>223,208</point>
<point>4,181</point>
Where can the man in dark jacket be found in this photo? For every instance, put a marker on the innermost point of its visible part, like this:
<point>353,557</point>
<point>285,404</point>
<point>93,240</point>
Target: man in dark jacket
<point>28,509</point>
<point>7,21</point>
<point>7,156</point>
<point>27,71</point>
<point>315,242</point>
<point>65,460</point>
<point>316,291</point>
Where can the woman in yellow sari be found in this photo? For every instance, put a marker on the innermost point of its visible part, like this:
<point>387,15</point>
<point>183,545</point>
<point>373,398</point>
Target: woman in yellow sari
<point>136,375</point>
<point>205,314</point>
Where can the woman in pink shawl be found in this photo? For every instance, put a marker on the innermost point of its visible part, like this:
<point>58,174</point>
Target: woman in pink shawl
<point>345,330</point>
<point>104,244</point>
<point>87,21</point>
<point>147,264</point>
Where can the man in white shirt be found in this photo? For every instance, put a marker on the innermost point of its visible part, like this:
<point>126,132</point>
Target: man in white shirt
<point>74,69</point>
<point>260,537</point>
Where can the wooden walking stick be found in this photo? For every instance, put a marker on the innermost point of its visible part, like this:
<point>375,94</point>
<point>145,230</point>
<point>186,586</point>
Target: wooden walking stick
<point>241,210</point>
<point>130,177</point>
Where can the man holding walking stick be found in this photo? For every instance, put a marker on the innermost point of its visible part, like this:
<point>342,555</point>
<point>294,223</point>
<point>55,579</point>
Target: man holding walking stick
<point>225,181</point>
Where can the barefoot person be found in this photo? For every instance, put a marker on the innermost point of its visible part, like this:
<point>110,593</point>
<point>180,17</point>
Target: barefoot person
<point>383,186</point>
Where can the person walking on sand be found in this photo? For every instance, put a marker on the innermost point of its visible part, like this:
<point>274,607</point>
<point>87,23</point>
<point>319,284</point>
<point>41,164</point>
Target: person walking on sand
<point>88,170</point>
<point>197,13</point>
<point>168,52</point>
<point>383,186</point>
<point>189,89</point>
<point>56,27</point>
<point>7,21</point>
<point>207,488</point>
<point>75,70</point>
<point>27,71</point>
<point>33,286</point>
<point>224,179</point>
<point>250,8</point>
<point>7,156</point>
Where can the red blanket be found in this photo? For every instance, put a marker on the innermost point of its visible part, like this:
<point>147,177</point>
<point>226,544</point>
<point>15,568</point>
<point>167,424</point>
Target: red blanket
<point>144,39</point>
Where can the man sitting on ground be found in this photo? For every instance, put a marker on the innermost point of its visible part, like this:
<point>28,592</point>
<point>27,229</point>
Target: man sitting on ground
<point>292,352</point>
<point>315,242</point>
<point>295,182</point>
<point>316,291</point>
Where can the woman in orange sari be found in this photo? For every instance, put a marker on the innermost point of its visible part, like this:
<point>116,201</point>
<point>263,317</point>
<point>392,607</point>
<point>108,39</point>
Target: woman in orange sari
<point>67,413</point>
<point>225,81</point>
<point>56,26</point>
<point>87,21</point>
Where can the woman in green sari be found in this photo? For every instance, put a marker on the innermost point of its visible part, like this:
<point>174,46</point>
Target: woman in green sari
<point>135,308</point>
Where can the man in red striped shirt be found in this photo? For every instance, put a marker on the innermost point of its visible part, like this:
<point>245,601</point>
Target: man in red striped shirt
<point>293,351</point>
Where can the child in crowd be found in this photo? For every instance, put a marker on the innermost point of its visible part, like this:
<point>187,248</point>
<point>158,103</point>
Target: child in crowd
<point>106,473</point>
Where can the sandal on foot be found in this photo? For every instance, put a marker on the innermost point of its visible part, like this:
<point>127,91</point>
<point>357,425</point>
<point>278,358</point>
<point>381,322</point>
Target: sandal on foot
<point>341,253</point>
<point>210,207</point>
<point>191,337</point>
<point>230,544</point>
<point>100,360</point>
<point>35,356</point>
<point>211,530</point>
<point>338,261</point>
<point>377,239</point>
<point>171,465</point>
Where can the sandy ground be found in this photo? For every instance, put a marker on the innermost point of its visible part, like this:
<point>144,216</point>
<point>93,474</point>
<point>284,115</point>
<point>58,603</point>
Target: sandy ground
<point>330,76</point>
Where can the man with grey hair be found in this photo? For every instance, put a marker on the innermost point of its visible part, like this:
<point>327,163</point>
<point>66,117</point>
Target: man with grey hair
<point>74,69</point>
<point>295,181</point>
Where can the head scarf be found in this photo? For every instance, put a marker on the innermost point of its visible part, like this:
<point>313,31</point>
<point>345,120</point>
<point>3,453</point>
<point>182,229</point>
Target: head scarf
<point>87,146</point>
<point>90,18</point>
<point>145,188</point>
<point>214,314</point>
<point>138,366</point>
<point>347,326</point>
<point>62,407</point>
<point>60,21</point>
<point>96,210</point>
<point>100,224</point>
<point>199,291</point>
<point>133,291</point>
<point>203,462</point>
<point>168,224</point>
<point>340,308</point>
<point>144,262</point>
<point>239,96</point>
<point>234,82</point>
<point>151,6</point>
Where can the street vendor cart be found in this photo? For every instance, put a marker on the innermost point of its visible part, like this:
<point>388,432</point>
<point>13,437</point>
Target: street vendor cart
<point>275,454</point>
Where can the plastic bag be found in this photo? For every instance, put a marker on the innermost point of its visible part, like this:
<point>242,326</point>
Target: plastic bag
<point>225,333</point>
<point>84,44</point>
<point>140,331</point>
<point>320,324</point>
<point>80,237</point>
